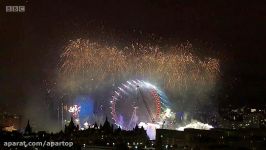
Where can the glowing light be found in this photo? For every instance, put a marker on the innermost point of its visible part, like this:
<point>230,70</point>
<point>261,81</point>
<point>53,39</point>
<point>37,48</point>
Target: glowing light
<point>168,112</point>
<point>86,125</point>
<point>196,125</point>
<point>150,129</point>
<point>74,110</point>
<point>252,110</point>
<point>77,121</point>
<point>9,129</point>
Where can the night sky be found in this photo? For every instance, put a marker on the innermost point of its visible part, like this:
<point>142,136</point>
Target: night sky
<point>30,42</point>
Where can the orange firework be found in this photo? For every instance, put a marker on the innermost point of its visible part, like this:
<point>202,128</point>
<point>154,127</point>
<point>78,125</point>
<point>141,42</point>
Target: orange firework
<point>87,65</point>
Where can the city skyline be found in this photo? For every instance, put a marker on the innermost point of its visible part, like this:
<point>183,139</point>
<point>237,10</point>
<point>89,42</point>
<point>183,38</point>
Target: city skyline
<point>160,64</point>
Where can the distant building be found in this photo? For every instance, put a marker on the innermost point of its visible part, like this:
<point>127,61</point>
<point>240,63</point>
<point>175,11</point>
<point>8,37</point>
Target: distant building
<point>211,139</point>
<point>105,135</point>
<point>245,117</point>
<point>28,129</point>
<point>71,127</point>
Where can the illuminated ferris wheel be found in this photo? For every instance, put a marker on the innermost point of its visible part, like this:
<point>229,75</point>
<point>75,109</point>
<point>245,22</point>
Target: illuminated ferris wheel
<point>136,101</point>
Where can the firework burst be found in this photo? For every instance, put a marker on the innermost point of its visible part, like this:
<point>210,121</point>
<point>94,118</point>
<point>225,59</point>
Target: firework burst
<point>88,66</point>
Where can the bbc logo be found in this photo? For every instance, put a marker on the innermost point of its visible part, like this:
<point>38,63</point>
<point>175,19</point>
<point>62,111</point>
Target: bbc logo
<point>15,8</point>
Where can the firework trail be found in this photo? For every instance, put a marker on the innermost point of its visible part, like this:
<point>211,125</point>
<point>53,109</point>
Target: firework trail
<point>88,66</point>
